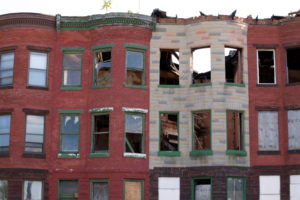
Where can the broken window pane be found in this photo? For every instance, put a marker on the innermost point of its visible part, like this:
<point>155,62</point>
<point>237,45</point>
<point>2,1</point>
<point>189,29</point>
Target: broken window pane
<point>3,189</point>
<point>100,191</point>
<point>134,190</point>
<point>202,189</point>
<point>233,65</point>
<point>234,130</point>
<point>169,132</point>
<point>169,67</point>
<point>135,68</point>
<point>70,133</point>
<point>268,131</point>
<point>201,136</point>
<point>266,66</point>
<point>293,129</point>
<point>72,69</point>
<point>38,63</point>
<point>4,132</point>
<point>68,190</point>
<point>101,133</point>
<point>235,188</point>
<point>6,68</point>
<point>33,190</point>
<point>201,66</point>
<point>168,188</point>
<point>134,133</point>
<point>34,138</point>
<point>293,65</point>
<point>102,68</point>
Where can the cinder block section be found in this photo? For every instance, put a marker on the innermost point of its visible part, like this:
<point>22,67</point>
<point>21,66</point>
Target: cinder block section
<point>217,96</point>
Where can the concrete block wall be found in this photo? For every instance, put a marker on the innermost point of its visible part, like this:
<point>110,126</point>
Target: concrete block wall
<point>217,97</point>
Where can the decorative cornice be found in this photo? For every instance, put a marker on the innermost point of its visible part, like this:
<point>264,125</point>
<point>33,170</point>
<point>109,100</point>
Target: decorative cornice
<point>27,19</point>
<point>110,19</point>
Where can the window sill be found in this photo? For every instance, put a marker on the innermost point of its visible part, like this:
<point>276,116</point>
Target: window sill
<point>134,155</point>
<point>268,152</point>
<point>296,151</point>
<point>169,86</point>
<point>4,154</point>
<point>101,86</point>
<point>6,87</point>
<point>71,88</point>
<point>99,154</point>
<point>168,153</point>
<point>68,155</point>
<point>200,84</point>
<point>201,153</point>
<point>266,85</point>
<point>292,84</point>
<point>236,152</point>
<point>235,84</point>
<point>36,87</point>
<point>33,155</point>
<point>136,86</point>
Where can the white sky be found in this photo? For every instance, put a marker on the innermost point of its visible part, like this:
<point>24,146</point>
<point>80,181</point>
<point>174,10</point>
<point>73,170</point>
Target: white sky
<point>183,8</point>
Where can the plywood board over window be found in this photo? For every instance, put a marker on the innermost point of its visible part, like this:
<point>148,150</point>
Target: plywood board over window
<point>293,129</point>
<point>168,188</point>
<point>134,190</point>
<point>268,131</point>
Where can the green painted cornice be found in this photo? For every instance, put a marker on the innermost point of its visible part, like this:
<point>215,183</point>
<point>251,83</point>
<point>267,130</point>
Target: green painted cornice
<point>110,19</point>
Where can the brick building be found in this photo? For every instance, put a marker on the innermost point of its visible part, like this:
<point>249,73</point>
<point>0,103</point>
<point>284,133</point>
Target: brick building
<point>118,106</point>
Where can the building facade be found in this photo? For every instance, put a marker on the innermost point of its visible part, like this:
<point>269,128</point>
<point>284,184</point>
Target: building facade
<point>128,106</point>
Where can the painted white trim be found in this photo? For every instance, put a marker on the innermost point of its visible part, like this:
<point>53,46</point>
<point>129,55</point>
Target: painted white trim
<point>104,109</point>
<point>137,110</point>
<point>135,155</point>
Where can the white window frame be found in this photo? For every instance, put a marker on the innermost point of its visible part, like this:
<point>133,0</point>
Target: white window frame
<point>25,192</point>
<point>46,70</point>
<point>257,66</point>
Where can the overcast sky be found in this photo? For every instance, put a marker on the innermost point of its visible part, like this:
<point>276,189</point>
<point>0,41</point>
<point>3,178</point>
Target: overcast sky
<point>183,8</point>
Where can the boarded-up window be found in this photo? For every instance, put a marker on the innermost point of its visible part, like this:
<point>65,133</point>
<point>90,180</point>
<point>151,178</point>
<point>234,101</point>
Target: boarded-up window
<point>68,190</point>
<point>4,133</point>
<point>269,187</point>
<point>201,66</point>
<point>233,65</point>
<point>201,132</point>
<point>268,131</point>
<point>234,130</point>
<point>169,67</point>
<point>72,69</point>
<point>295,187</point>
<point>169,132</point>
<point>134,189</point>
<point>100,190</point>
<point>168,188</point>
<point>34,139</point>
<point>101,133</point>
<point>135,67</point>
<point>202,189</point>
<point>32,190</point>
<point>266,66</point>
<point>3,189</point>
<point>236,188</point>
<point>293,65</point>
<point>293,129</point>
<point>102,68</point>
<point>134,133</point>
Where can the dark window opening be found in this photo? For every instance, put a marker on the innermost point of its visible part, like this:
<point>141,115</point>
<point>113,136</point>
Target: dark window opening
<point>201,66</point>
<point>68,190</point>
<point>266,66</point>
<point>201,137</point>
<point>234,131</point>
<point>102,68</point>
<point>293,65</point>
<point>233,65</point>
<point>169,132</point>
<point>101,133</point>
<point>169,67</point>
